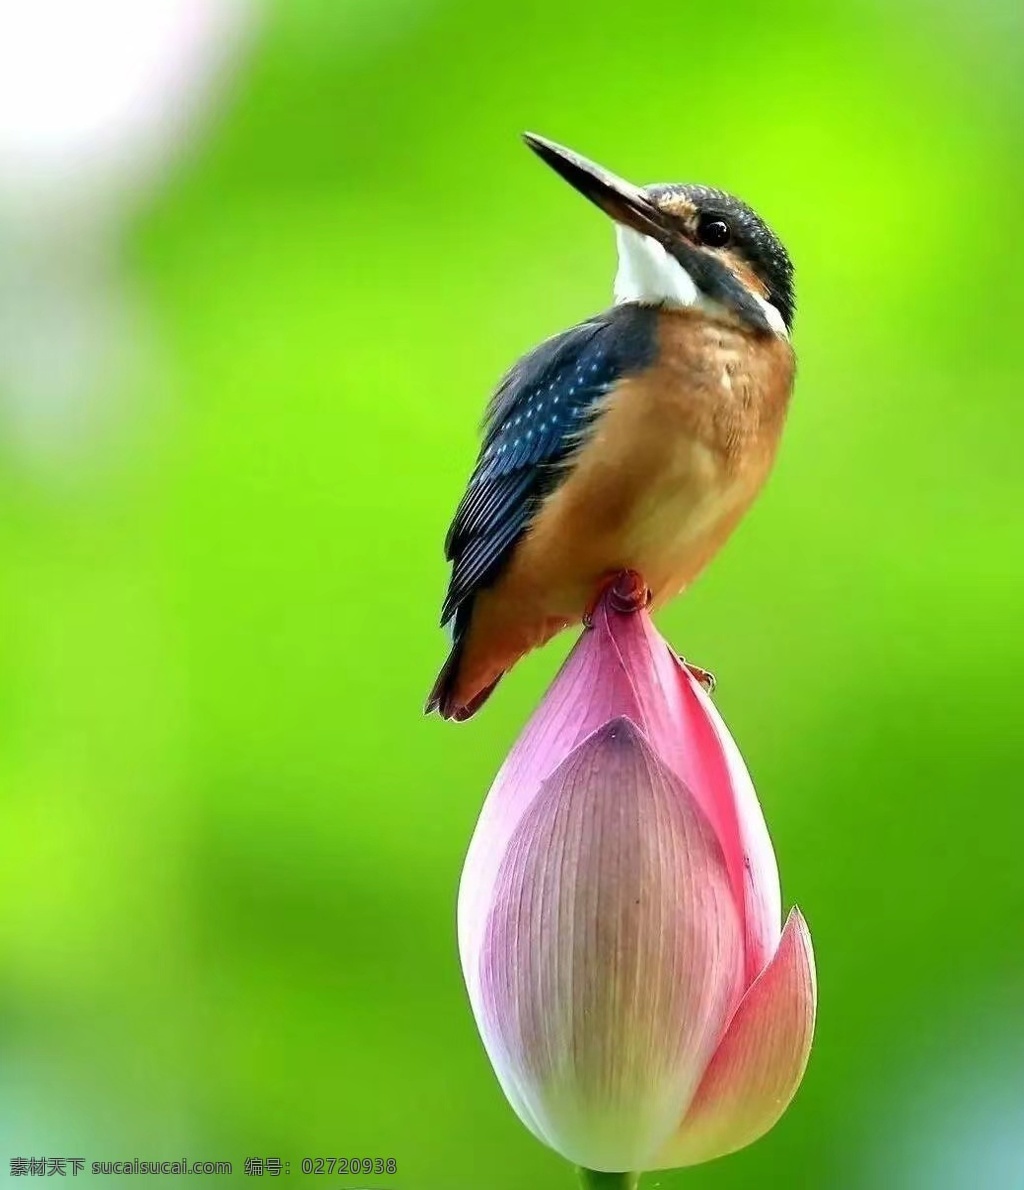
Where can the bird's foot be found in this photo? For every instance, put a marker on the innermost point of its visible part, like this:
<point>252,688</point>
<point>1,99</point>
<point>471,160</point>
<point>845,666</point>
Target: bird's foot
<point>704,677</point>
<point>625,591</point>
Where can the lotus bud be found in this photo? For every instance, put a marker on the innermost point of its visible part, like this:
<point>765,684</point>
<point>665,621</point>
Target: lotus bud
<point>620,922</point>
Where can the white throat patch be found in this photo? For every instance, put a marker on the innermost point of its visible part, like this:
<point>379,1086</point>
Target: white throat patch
<point>649,275</point>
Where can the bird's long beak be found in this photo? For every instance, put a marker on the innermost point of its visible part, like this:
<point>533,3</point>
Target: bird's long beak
<point>625,203</point>
<point>629,205</point>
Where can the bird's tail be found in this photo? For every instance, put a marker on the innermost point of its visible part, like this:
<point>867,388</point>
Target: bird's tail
<point>442,697</point>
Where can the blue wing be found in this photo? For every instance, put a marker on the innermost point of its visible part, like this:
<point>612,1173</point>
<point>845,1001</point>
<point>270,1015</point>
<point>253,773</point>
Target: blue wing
<point>539,414</point>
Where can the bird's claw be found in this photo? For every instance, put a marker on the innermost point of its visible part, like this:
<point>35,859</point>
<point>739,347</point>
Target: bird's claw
<point>705,677</point>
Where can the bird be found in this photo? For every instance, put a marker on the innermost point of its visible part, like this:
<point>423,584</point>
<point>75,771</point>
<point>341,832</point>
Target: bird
<point>632,442</point>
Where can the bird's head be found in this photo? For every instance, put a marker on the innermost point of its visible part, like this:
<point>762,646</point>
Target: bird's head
<point>686,245</point>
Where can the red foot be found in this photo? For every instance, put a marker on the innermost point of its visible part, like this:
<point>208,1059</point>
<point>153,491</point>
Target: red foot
<point>625,590</point>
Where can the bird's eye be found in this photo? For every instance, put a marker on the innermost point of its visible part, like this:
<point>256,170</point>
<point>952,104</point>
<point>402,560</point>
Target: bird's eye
<point>713,231</point>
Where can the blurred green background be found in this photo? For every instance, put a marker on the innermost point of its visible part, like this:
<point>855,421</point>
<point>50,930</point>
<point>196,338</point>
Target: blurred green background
<point>229,841</point>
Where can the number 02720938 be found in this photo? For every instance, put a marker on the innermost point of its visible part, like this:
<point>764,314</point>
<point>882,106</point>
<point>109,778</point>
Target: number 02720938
<point>349,1165</point>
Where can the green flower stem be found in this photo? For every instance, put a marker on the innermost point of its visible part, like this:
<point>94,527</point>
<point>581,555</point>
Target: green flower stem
<point>590,1179</point>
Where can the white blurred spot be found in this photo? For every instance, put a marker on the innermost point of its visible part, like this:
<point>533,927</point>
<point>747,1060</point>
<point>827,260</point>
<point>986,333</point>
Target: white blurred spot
<point>95,92</point>
<point>96,99</point>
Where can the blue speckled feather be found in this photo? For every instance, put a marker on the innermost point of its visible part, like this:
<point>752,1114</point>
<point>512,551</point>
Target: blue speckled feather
<point>539,414</point>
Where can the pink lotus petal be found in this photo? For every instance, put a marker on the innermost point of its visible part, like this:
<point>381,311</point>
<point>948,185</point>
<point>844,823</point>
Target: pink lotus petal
<point>707,756</point>
<point>591,688</point>
<point>623,667</point>
<point>613,952</point>
<point>688,733</point>
<point>761,1059</point>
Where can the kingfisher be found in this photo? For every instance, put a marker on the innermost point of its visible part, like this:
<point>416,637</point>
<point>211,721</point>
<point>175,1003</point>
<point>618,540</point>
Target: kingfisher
<point>634,441</point>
